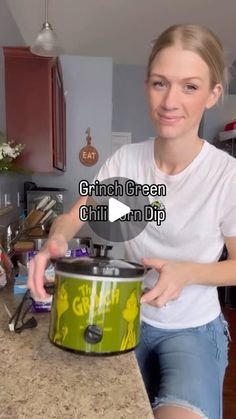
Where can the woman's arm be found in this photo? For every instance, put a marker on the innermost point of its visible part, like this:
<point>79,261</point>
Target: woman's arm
<point>219,273</point>
<point>63,229</point>
<point>68,224</point>
<point>174,276</point>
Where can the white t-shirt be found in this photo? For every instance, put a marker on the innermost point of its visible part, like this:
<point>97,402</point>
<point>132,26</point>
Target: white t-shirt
<point>200,206</point>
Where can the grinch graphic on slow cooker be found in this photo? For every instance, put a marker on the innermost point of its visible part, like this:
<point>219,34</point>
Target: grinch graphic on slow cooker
<point>96,305</point>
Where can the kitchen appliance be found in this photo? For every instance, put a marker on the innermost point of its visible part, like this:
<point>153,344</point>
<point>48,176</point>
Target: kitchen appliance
<point>96,307</point>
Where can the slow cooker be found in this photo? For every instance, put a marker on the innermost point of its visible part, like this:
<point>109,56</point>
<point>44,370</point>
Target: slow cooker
<point>96,308</point>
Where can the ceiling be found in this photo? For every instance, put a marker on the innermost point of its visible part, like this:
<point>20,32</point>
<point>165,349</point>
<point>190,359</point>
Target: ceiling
<point>122,29</point>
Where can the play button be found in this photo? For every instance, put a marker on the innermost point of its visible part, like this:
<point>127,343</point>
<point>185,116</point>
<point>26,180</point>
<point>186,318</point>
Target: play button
<point>116,210</point>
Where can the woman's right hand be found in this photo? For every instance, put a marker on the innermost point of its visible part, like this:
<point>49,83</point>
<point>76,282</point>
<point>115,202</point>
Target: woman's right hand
<point>55,247</point>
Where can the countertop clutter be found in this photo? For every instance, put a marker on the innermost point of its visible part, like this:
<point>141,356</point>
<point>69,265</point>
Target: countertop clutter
<point>41,380</point>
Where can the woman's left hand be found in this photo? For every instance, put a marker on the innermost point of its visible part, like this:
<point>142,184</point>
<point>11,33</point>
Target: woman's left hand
<point>173,277</point>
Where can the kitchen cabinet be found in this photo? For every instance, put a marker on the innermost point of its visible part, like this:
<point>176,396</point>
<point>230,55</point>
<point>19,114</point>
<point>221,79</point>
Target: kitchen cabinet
<point>36,109</point>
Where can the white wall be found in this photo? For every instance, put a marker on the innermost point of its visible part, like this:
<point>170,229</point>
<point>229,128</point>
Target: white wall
<point>130,109</point>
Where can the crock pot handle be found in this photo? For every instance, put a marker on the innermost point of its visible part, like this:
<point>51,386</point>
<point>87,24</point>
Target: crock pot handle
<point>101,250</point>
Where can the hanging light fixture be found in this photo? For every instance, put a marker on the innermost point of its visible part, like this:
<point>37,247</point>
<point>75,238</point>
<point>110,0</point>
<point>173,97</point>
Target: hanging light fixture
<point>46,43</point>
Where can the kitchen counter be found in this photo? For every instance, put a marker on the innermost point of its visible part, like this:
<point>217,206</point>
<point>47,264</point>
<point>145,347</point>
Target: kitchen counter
<point>40,380</point>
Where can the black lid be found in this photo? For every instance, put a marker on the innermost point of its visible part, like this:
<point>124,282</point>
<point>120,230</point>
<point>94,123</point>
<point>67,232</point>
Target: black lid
<point>100,267</point>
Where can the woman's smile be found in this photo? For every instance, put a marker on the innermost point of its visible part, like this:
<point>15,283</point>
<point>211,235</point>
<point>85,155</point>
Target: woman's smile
<point>169,120</point>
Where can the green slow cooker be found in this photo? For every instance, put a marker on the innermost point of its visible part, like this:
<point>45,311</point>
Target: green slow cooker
<point>96,307</point>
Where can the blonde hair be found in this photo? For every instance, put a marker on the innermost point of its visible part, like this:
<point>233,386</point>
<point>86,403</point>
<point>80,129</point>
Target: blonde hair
<point>200,40</point>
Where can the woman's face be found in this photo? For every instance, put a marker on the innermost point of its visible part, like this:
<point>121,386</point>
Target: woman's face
<point>179,91</point>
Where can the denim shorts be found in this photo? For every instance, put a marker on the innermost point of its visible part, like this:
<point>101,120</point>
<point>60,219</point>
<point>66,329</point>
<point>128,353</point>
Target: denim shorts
<point>185,367</point>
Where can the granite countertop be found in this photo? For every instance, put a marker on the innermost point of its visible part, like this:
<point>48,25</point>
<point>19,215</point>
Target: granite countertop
<point>40,380</point>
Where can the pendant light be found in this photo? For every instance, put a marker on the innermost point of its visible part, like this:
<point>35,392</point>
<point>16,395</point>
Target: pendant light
<point>46,44</point>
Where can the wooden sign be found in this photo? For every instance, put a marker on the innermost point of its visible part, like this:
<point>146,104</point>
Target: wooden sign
<point>88,155</point>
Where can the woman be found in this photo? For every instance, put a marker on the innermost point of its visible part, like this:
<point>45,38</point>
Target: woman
<point>183,349</point>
